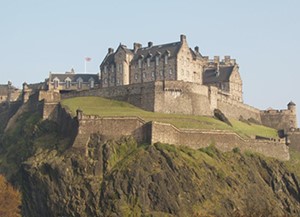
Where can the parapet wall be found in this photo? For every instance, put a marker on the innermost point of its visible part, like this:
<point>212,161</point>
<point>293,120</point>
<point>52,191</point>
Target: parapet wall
<point>235,109</point>
<point>223,140</point>
<point>279,119</point>
<point>152,132</point>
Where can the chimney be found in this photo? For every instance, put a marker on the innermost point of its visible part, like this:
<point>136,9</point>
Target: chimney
<point>182,38</point>
<point>110,50</point>
<point>197,49</point>
<point>227,59</point>
<point>216,59</point>
<point>150,44</point>
<point>136,46</point>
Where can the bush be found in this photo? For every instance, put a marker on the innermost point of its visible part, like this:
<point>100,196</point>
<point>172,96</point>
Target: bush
<point>10,199</point>
<point>236,150</point>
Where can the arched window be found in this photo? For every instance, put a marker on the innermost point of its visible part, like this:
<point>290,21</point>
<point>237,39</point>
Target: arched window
<point>79,83</point>
<point>157,60</point>
<point>92,82</point>
<point>68,83</point>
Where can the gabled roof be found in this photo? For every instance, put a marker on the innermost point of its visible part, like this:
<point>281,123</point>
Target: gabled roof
<point>212,75</point>
<point>74,77</point>
<point>172,48</point>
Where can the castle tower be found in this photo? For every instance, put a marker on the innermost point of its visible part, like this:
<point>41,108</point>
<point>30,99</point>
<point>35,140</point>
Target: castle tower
<point>293,114</point>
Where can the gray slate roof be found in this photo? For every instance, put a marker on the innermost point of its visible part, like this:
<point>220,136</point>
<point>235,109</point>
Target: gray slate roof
<point>172,48</point>
<point>211,75</point>
<point>74,77</point>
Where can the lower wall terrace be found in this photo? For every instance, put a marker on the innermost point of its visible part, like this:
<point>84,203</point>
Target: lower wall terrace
<point>152,132</point>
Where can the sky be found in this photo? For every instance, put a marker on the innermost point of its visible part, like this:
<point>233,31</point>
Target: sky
<point>42,36</point>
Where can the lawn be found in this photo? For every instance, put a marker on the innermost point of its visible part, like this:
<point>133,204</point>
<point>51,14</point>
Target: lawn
<point>106,107</point>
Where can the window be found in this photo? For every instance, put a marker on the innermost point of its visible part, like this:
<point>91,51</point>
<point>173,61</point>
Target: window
<point>56,82</point>
<point>68,83</point>
<point>92,83</point>
<point>105,81</point>
<point>144,74</point>
<point>140,63</point>
<point>118,81</point>
<point>120,69</point>
<point>148,62</point>
<point>166,59</point>
<point>157,60</point>
<point>153,74</point>
<point>113,80</point>
<point>161,72</point>
<point>79,84</point>
<point>170,71</point>
<point>112,68</point>
<point>135,76</point>
<point>105,69</point>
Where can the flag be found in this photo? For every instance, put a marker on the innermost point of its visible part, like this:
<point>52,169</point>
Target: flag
<point>88,59</point>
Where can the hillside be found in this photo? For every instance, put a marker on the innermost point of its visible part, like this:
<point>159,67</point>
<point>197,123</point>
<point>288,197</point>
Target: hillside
<point>123,178</point>
<point>105,107</point>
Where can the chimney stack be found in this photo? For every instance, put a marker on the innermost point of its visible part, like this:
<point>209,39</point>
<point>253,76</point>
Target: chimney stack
<point>136,46</point>
<point>216,59</point>
<point>197,49</point>
<point>150,44</point>
<point>110,50</point>
<point>182,38</point>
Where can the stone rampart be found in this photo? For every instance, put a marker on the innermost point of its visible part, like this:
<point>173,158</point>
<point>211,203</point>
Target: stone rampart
<point>294,139</point>
<point>223,140</point>
<point>152,132</point>
<point>235,109</point>
<point>278,119</point>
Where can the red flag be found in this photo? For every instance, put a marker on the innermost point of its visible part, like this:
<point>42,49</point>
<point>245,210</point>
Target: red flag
<point>88,59</point>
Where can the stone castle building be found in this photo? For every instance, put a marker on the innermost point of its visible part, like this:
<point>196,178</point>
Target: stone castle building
<point>9,93</point>
<point>170,62</point>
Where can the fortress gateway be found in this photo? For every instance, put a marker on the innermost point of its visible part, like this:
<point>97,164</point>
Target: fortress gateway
<point>167,78</point>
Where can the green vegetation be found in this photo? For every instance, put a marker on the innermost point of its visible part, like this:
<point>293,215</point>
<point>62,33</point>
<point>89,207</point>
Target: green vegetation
<point>105,107</point>
<point>294,163</point>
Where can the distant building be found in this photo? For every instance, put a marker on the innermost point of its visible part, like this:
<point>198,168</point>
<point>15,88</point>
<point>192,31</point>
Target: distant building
<point>9,93</point>
<point>72,81</point>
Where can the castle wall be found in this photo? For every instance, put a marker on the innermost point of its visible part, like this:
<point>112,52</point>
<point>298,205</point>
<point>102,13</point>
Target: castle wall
<point>235,109</point>
<point>294,138</point>
<point>182,98</point>
<point>223,140</point>
<point>111,128</point>
<point>279,119</point>
<point>117,127</point>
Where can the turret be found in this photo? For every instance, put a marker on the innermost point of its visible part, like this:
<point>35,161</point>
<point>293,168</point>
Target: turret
<point>292,107</point>
<point>293,117</point>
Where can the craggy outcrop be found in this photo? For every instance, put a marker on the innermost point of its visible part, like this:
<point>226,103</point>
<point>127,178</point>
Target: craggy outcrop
<point>120,178</point>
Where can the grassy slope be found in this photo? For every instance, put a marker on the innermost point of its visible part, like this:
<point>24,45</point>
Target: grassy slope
<point>105,107</point>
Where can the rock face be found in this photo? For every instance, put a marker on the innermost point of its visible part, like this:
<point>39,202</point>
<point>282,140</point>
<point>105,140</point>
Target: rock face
<point>121,178</point>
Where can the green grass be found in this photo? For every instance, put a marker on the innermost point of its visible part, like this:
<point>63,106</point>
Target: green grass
<point>105,107</point>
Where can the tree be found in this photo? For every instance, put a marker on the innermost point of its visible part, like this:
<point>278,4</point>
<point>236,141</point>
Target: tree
<point>10,199</point>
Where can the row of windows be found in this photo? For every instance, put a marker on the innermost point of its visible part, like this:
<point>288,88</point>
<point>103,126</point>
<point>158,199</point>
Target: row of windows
<point>68,84</point>
<point>157,60</point>
<point>145,74</point>
<point>112,80</point>
<point>112,68</point>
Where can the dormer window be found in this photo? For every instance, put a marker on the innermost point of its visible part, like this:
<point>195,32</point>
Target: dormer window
<point>166,59</point>
<point>79,83</point>
<point>92,82</point>
<point>68,83</point>
<point>56,83</point>
<point>157,60</point>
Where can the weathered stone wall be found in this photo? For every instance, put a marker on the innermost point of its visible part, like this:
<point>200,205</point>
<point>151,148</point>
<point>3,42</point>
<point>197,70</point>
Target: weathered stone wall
<point>294,139</point>
<point>235,109</point>
<point>279,119</point>
<point>223,140</point>
<point>182,98</point>
<point>110,128</point>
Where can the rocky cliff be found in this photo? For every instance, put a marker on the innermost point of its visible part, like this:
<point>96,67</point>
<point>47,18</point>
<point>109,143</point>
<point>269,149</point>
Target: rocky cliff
<point>123,178</point>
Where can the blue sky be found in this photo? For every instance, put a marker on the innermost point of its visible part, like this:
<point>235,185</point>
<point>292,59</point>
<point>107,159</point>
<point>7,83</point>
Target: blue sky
<point>38,36</point>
